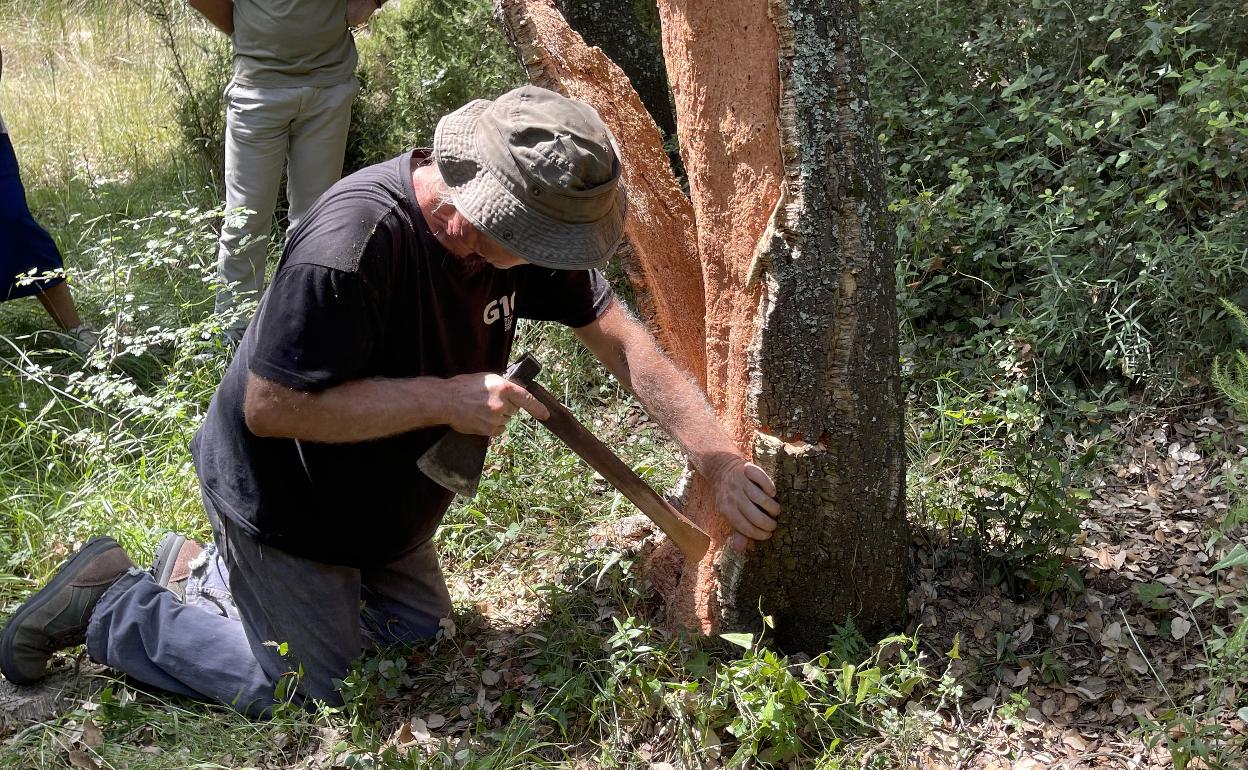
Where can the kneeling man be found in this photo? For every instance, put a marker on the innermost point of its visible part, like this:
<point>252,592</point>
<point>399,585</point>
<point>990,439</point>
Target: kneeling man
<point>391,314</point>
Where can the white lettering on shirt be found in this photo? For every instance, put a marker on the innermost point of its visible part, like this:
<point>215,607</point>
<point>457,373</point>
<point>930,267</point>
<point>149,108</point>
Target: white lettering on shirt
<point>503,307</point>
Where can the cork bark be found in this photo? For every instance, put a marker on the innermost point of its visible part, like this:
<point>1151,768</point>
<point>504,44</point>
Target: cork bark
<point>660,255</point>
<point>797,283</point>
<point>616,29</point>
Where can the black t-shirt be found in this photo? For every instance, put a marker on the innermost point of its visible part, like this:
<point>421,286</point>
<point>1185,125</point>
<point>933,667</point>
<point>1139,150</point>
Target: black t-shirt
<point>365,290</point>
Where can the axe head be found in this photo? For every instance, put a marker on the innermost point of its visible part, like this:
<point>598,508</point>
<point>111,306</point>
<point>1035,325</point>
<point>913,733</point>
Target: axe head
<point>456,460</point>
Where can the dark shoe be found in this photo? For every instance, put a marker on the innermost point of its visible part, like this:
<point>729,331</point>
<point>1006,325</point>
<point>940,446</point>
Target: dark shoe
<point>56,617</point>
<point>173,562</point>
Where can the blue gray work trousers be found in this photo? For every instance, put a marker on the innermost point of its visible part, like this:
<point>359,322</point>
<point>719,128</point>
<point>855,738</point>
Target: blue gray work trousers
<point>244,601</point>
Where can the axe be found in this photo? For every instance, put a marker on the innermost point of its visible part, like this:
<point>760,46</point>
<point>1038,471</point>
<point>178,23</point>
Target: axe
<point>456,460</point>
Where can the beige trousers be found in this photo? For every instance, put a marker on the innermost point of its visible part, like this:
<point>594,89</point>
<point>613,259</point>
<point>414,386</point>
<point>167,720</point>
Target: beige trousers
<point>303,129</point>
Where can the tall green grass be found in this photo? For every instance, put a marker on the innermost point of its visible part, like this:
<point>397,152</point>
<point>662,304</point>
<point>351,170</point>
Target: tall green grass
<point>87,96</point>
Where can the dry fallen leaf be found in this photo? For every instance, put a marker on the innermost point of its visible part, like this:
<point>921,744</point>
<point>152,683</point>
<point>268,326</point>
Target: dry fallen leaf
<point>404,735</point>
<point>1179,627</point>
<point>83,760</point>
<point>434,721</point>
<point>92,737</point>
<point>420,730</point>
<point>489,677</point>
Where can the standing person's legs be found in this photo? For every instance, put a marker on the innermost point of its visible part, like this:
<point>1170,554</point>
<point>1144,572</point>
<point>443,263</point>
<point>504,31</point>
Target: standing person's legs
<point>257,134</point>
<point>60,305</point>
<point>318,141</point>
<point>26,246</point>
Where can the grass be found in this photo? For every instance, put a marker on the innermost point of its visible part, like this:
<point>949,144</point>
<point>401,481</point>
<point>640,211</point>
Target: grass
<point>556,658</point>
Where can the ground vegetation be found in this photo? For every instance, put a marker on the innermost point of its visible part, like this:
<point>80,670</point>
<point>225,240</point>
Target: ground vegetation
<point>1067,187</point>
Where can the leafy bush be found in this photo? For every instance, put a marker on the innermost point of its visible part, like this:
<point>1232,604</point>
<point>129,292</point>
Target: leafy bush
<point>998,475</point>
<point>1071,169</point>
<point>420,62</point>
<point>1231,375</point>
<point>201,67</point>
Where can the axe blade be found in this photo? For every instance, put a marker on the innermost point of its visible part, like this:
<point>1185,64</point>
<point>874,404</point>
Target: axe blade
<point>456,460</point>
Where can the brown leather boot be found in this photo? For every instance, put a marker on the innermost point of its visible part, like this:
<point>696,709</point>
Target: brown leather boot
<point>56,617</point>
<point>172,565</point>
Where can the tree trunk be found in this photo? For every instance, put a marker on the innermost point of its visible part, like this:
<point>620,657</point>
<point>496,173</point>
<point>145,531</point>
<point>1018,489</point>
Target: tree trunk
<point>615,28</point>
<point>796,278</point>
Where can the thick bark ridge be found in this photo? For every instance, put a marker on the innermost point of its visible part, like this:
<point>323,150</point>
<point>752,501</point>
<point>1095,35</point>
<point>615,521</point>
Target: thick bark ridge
<point>825,385</point>
<point>660,256</point>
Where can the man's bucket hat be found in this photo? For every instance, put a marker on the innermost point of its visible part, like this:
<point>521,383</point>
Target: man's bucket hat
<point>537,172</point>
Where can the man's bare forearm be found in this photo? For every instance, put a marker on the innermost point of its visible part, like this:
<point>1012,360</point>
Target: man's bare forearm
<point>220,13</point>
<point>668,394</point>
<point>359,410</point>
<point>479,403</point>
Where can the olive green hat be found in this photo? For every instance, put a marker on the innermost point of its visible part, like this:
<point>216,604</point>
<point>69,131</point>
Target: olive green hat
<point>537,172</point>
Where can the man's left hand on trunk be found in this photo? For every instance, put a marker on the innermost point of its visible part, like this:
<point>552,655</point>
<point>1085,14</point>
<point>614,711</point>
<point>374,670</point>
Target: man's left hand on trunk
<point>746,496</point>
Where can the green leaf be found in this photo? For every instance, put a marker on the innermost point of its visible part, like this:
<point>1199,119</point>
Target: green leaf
<point>1114,35</point>
<point>1097,62</point>
<point>845,685</point>
<point>797,693</point>
<point>868,681</point>
<point>953,654</point>
<point>1237,557</point>
<point>1018,85</point>
<point>744,641</point>
<point>1149,592</point>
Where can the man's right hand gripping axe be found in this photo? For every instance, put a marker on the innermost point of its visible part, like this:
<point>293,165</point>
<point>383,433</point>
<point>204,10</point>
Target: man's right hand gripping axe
<point>456,460</point>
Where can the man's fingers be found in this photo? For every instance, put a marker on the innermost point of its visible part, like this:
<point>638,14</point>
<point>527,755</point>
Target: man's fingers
<point>758,517</point>
<point>523,399</point>
<point>760,477</point>
<point>746,526</point>
<point>762,499</point>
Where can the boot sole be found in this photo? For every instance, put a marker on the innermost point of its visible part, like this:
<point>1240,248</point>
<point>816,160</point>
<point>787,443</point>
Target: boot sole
<point>167,558</point>
<point>64,575</point>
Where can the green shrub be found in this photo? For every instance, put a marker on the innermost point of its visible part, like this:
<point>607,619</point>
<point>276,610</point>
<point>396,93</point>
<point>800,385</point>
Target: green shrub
<point>1072,169</point>
<point>418,63</point>
<point>1231,375</point>
<point>201,66</point>
<point>998,474</point>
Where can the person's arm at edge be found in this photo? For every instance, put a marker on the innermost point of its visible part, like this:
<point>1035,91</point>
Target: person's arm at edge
<point>360,11</point>
<point>745,494</point>
<point>362,410</point>
<point>219,13</point>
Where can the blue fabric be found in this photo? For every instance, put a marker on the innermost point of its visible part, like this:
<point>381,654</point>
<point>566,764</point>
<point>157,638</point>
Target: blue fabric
<point>24,245</point>
<point>244,597</point>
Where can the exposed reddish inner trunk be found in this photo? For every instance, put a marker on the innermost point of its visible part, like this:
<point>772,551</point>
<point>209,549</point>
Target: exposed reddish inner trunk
<point>663,266</point>
<point>722,60</point>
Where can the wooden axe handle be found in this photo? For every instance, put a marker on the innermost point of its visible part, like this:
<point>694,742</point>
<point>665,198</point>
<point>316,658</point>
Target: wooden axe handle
<point>692,540</point>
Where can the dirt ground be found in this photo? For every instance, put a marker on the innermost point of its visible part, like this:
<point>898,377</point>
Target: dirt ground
<point>1130,647</point>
